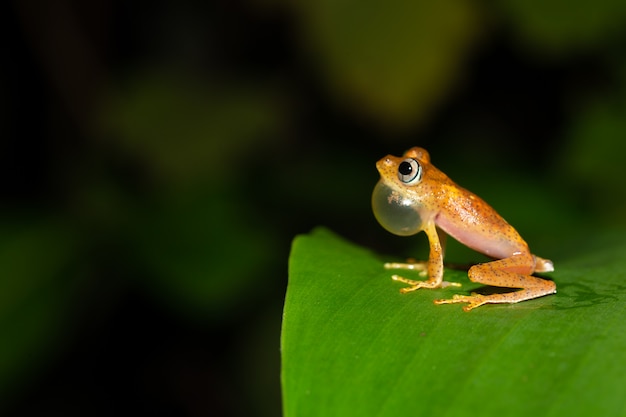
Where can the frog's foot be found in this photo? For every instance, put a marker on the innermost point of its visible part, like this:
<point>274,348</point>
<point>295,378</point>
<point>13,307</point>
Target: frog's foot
<point>474,300</point>
<point>411,265</point>
<point>415,285</point>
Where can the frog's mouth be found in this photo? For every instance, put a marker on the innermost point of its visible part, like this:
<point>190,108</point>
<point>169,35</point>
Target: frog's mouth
<point>397,214</point>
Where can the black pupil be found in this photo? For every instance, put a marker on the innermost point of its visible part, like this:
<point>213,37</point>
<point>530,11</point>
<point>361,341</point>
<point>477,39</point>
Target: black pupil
<point>405,168</point>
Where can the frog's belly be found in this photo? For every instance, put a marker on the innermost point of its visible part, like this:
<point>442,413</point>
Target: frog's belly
<point>497,241</point>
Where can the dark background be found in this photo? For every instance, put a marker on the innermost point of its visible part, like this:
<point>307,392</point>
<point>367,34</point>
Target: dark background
<point>157,158</point>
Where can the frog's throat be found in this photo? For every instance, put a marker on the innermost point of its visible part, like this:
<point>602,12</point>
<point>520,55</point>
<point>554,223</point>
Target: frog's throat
<point>397,214</point>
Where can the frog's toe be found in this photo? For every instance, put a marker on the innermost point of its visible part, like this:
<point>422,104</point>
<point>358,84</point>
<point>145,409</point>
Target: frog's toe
<point>413,285</point>
<point>474,300</point>
<point>410,265</point>
<point>445,284</point>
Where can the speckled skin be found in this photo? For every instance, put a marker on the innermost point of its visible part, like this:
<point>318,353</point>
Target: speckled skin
<point>443,204</point>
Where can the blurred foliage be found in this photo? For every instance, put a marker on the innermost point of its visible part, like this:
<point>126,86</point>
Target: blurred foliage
<point>184,129</point>
<point>393,60</point>
<point>593,156</point>
<point>37,288</point>
<point>559,26</point>
<point>202,247</point>
<point>204,252</point>
<point>162,158</point>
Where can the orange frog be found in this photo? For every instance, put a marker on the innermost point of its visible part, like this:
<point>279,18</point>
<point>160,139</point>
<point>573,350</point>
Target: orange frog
<point>412,195</point>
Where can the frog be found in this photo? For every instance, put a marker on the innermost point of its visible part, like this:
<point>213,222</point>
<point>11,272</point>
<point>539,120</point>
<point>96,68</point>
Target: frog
<point>412,196</point>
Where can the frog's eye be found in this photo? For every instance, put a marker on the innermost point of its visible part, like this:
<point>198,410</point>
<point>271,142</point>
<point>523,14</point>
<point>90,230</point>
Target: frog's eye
<point>409,171</point>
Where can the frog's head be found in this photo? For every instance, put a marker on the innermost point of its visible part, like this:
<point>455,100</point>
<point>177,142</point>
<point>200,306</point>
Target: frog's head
<point>396,200</point>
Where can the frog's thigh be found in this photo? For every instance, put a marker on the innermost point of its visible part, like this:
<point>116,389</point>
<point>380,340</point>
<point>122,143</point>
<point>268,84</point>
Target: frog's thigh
<point>513,272</point>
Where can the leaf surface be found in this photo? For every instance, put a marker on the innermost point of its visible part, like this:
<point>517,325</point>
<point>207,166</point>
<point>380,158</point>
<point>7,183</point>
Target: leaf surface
<point>353,345</point>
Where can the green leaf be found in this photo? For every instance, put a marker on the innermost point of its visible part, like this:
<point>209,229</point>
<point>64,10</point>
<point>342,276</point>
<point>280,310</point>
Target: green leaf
<point>353,345</point>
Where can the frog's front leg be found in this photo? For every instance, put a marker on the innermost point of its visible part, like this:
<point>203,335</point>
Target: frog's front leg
<point>512,272</point>
<point>433,267</point>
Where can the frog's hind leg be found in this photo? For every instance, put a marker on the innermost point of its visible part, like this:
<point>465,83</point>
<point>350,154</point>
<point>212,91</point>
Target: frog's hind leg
<point>513,272</point>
